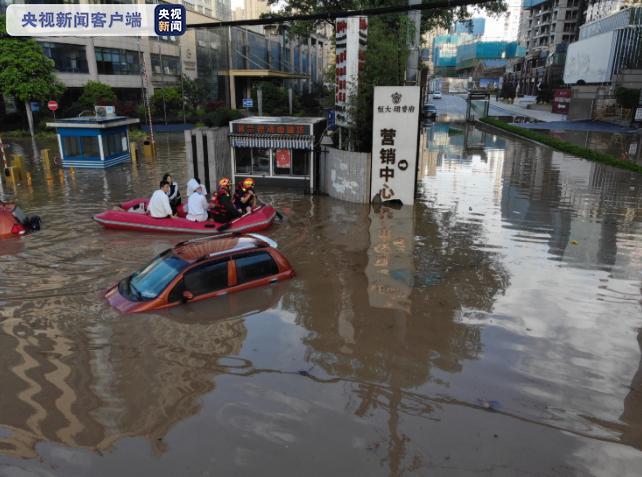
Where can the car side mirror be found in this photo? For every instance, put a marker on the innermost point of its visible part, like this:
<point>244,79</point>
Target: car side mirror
<point>187,296</point>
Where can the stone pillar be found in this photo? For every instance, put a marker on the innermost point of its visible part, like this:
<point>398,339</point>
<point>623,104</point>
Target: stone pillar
<point>211,159</point>
<point>188,154</point>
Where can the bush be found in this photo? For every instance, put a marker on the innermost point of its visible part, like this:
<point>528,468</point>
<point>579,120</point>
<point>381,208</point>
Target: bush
<point>627,98</point>
<point>275,100</point>
<point>564,146</point>
<point>222,117</point>
<point>96,93</point>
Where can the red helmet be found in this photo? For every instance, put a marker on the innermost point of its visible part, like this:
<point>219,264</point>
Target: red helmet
<point>224,182</point>
<point>248,183</point>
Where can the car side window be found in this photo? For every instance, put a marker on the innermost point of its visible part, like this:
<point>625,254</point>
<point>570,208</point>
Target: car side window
<point>207,278</point>
<point>255,266</point>
<point>177,292</point>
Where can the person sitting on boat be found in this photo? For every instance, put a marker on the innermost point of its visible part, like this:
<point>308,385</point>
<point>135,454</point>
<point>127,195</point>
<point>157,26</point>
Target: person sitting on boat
<point>197,206</point>
<point>194,184</point>
<point>224,210</point>
<point>174,195</point>
<point>158,206</point>
<point>245,197</point>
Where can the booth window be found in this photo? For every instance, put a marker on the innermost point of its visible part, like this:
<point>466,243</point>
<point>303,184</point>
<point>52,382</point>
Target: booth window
<point>115,144</point>
<point>89,145</point>
<point>71,146</point>
<point>300,165</point>
<point>243,159</point>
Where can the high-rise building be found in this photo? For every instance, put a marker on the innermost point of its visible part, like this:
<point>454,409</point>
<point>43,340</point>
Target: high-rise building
<point>546,29</point>
<point>251,9</point>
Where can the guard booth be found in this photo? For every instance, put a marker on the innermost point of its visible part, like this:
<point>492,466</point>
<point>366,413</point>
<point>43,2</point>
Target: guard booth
<point>94,142</point>
<point>279,151</point>
<point>477,105</point>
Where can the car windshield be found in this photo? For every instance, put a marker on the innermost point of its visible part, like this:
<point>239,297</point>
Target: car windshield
<point>148,282</point>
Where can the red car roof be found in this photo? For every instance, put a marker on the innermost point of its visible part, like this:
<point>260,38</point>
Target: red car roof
<point>197,249</point>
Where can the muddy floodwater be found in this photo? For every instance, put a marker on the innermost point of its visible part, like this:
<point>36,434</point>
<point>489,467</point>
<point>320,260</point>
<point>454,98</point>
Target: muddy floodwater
<point>495,328</point>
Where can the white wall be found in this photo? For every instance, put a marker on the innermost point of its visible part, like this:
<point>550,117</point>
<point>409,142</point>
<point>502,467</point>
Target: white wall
<point>591,59</point>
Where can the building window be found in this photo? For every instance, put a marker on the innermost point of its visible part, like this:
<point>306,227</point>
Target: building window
<point>67,58</point>
<point>243,160</point>
<point>111,61</point>
<point>164,64</point>
<point>300,165</point>
<point>260,161</point>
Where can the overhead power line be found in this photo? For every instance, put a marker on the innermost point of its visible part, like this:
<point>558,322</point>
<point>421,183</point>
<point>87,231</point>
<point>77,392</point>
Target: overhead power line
<point>434,5</point>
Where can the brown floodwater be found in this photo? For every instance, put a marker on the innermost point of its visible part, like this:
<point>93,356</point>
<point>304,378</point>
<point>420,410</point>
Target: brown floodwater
<point>494,328</point>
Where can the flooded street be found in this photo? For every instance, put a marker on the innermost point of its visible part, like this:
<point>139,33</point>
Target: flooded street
<point>495,328</point>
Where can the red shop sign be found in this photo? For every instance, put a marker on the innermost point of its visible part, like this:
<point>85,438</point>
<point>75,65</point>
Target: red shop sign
<point>283,158</point>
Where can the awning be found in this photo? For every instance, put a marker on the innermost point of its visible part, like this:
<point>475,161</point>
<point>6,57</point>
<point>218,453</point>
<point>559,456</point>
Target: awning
<point>272,141</point>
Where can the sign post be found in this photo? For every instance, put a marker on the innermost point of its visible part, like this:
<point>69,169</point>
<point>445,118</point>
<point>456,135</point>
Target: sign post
<point>53,106</point>
<point>394,143</point>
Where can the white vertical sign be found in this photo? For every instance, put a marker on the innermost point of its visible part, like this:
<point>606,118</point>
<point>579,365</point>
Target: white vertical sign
<point>394,143</point>
<point>351,42</point>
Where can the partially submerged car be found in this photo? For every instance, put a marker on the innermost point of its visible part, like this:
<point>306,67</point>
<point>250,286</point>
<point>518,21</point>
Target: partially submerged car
<point>13,220</point>
<point>199,269</point>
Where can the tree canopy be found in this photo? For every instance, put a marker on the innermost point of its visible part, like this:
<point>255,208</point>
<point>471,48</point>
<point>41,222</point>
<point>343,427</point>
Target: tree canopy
<point>97,93</point>
<point>25,72</point>
<point>429,19</point>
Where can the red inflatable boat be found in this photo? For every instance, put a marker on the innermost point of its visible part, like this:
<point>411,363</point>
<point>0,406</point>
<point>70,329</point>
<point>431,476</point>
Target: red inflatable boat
<point>132,217</point>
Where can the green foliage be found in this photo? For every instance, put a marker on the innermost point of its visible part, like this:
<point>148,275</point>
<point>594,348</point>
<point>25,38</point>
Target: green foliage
<point>96,93</point>
<point>275,100</point>
<point>385,65</point>
<point>429,19</point>
<point>195,91</point>
<point>627,98</point>
<point>564,146</point>
<point>25,72</point>
<point>173,101</point>
<point>222,117</point>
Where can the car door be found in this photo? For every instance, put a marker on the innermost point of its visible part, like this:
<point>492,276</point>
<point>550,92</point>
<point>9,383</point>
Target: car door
<point>255,269</point>
<point>204,280</point>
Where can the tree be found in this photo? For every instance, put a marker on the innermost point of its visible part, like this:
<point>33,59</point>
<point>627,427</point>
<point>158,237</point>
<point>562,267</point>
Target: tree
<point>429,19</point>
<point>195,91</point>
<point>166,100</point>
<point>385,65</point>
<point>275,100</point>
<point>96,93</point>
<point>25,72</point>
<point>387,51</point>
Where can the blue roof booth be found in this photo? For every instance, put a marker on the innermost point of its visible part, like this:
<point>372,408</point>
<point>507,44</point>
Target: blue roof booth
<point>93,142</point>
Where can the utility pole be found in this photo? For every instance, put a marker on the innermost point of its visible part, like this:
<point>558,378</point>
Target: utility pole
<point>412,66</point>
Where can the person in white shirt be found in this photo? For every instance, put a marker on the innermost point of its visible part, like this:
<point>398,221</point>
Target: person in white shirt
<point>158,206</point>
<point>197,206</point>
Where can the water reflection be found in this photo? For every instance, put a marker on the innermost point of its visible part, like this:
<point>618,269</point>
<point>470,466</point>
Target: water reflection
<point>90,383</point>
<point>512,286</point>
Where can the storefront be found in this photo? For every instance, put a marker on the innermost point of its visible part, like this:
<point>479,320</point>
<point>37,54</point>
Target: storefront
<point>279,151</point>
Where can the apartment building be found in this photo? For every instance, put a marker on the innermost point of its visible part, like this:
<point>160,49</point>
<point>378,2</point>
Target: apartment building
<point>547,27</point>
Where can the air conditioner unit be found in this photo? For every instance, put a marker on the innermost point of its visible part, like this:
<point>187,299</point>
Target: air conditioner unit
<point>105,111</point>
